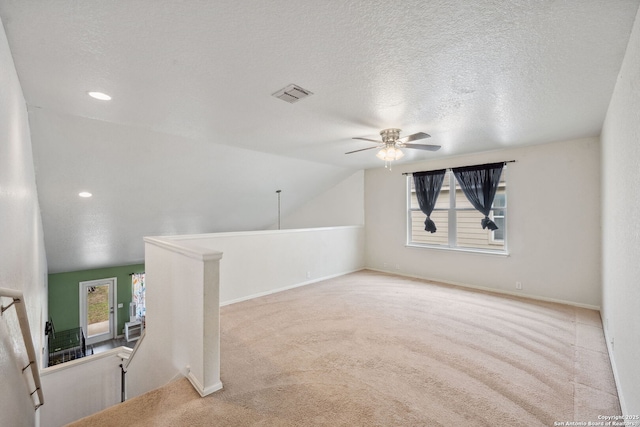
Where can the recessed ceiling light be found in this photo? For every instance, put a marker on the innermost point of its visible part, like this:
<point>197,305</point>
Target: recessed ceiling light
<point>99,95</point>
<point>85,194</point>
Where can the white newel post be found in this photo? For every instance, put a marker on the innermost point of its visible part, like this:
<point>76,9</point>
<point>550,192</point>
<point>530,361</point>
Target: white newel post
<point>183,317</point>
<point>211,322</point>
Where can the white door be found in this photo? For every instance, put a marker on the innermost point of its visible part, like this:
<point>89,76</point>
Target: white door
<point>97,317</point>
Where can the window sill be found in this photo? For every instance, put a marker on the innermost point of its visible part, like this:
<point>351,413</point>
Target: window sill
<point>465,250</point>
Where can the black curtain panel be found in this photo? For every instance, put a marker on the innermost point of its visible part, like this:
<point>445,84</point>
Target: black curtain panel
<point>428,186</point>
<point>480,183</point>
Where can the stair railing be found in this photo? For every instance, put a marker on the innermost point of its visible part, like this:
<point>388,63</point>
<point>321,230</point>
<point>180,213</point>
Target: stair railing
<point>126,360</point>
<point>23,320</point>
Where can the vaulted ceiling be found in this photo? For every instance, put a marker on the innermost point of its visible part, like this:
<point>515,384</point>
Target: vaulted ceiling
<point>192,140</point>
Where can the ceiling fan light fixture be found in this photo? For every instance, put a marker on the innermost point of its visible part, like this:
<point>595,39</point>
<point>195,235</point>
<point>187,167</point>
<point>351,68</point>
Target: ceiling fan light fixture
<point>391,144</point>
<point>389,154</point>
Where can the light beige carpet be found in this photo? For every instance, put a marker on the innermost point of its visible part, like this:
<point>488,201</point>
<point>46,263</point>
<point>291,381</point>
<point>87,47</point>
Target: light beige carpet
<point>371,349</point>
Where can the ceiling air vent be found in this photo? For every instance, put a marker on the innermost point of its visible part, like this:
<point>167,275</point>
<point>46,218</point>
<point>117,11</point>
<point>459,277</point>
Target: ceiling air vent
<point>292,93</point>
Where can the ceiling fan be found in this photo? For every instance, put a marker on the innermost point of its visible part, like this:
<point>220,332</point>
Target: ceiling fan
<point>391,144</point>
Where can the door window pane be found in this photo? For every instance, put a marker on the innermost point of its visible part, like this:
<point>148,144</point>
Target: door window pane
<point>97,310</point>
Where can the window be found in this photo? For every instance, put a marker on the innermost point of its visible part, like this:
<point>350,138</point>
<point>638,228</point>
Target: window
<point>458,222</point>
<point>497,215</point>
<point>138,303</point>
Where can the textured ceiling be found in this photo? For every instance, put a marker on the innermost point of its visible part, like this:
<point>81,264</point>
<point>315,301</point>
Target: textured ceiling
<point>192,108</point>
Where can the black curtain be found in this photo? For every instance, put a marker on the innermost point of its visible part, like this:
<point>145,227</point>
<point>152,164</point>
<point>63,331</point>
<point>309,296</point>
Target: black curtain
<point>480,183</point>
<point>428,186</point>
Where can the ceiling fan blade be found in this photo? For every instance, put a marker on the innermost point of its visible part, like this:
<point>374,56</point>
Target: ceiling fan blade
<point>414,137</point>
<point>423,147</point>
<point>371,140</point>
<point>362,149</point>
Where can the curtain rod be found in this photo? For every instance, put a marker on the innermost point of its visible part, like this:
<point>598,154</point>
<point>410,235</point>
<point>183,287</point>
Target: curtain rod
<point>411,173</point>
<point>131,274</point>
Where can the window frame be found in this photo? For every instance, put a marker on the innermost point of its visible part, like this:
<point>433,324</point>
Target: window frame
<point>452,217</point>
<point>493,217</point>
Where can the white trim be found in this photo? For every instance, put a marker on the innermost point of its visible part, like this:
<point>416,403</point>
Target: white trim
<point>459,249</point>
<point>247,233</point>
<point>200,389</point>
<point>492,290</point>
<point>616,375</point>
<point>191,251</point>
<point>135,348</point>
<point>88,359</point>
<point>286,288</point>
<point>452,212</point>
<point>407,230</point>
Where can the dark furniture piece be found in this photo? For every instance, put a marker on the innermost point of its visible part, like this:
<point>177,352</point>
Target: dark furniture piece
<point>66,345</point>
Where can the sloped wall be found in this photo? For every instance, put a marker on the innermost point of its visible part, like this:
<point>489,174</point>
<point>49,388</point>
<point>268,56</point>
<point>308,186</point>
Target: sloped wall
<point>342,204</point>
<point>171,191</point>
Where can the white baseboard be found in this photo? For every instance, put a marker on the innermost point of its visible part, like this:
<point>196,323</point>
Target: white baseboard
<point>493,290</point>
<point>200,388</point>
<point>616,376</point>
<point>447,282</point>
<point>286,288</point>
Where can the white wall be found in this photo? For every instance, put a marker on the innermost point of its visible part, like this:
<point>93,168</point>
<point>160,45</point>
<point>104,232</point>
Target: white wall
<point>342,204</point>
<point>261,262</point>
<point>252,264</point>
<point>80,388</point>
<point>553,225</point>
<point>182,318</point>
<point>621,227</point>
<point>23,264</point>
